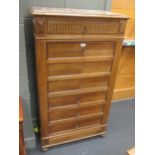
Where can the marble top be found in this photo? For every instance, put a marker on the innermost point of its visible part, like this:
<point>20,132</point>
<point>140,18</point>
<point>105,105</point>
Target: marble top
<point>74,12</point>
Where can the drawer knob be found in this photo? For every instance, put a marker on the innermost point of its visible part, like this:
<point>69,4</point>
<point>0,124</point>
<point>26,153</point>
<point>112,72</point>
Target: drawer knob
<point>83,45</point>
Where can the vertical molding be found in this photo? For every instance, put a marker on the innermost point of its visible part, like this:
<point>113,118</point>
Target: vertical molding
<point>42,84</point>
<point>113,78</point>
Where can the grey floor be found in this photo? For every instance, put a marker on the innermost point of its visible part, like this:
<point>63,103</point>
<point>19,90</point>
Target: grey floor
<point>119,138</point>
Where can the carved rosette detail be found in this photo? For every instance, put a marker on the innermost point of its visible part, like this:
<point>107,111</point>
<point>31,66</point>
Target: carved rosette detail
<point>39,25</point>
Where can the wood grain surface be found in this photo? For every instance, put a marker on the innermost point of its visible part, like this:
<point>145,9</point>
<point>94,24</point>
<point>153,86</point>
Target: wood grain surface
<point>125,80</point>
<point>77,58</point>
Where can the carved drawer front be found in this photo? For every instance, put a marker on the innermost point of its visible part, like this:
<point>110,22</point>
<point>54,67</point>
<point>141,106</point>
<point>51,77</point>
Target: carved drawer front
<point>78,27</point>
<point>79,49</point>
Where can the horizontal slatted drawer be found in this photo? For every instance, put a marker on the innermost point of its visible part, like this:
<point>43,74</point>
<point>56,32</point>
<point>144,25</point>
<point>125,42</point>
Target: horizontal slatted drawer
<point>50,26</point>
<point>64,27</point>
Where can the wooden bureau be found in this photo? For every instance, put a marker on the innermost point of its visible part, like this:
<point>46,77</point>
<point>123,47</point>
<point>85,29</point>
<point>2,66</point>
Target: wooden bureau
<point>77,54</point>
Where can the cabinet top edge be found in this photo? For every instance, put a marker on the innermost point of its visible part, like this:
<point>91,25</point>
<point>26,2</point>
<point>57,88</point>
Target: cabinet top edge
<point>46,11</point>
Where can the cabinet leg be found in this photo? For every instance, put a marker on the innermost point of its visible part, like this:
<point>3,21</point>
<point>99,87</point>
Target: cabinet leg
<point>102,136</point>
<point>44,149</point>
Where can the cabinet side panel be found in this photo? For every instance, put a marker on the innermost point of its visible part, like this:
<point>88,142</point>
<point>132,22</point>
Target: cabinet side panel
<point>40,53</point>
<point>114,69</point>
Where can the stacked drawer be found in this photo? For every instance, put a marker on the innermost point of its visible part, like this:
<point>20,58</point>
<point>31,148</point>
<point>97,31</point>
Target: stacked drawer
<point>78,78</point>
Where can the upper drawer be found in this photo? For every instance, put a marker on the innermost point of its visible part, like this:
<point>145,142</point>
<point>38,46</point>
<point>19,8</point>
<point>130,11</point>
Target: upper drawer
<point>79,49</point>
<point>77,27</point>
<point>47,26</point>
